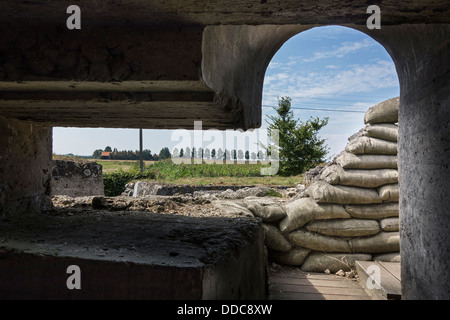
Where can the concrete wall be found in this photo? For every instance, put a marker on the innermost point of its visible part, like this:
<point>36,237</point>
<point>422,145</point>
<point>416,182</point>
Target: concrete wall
<point>77,179</point>
<point>25,171</point>
<point>421,56</point>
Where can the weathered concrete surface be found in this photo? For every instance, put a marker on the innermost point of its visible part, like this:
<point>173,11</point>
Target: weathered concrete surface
<point>234,63</point>
<point>211,12</point>
<point>76,179</point>
<point>415,33</point>
<point>225,46</point>
<point>25,167</point>
<point>420,53</point>
<point>132,255</point>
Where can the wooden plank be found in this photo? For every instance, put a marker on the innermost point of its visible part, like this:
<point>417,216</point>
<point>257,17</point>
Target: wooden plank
<point>349,290</point>
<point>389,287</point>
<point>305,275</point>
<point>314,296</point>
<point>393,268</point>
<point>294,284</point>
<point>330,283</point>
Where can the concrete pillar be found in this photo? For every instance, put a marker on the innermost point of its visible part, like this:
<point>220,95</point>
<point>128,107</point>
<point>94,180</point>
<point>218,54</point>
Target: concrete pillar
<point>421,56</point>
<point>25,167</point>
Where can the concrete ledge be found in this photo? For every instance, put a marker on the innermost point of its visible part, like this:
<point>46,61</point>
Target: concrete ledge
<point>132,255</point>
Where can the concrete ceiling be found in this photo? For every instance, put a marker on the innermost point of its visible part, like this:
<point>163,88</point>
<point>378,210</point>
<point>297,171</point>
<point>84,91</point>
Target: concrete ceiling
<point>161,64</point>
<point>214,12</point>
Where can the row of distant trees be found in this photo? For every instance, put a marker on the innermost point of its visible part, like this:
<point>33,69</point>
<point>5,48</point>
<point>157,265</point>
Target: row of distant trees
<point>115,154</point>
<point>218,154</point>
<point>299,146</point>
<point>187,152</point>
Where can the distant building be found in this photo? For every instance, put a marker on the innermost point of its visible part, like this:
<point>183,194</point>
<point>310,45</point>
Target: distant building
<point>105,155</point>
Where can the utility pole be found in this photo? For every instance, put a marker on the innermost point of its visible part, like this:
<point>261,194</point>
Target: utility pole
<point>141,161</point>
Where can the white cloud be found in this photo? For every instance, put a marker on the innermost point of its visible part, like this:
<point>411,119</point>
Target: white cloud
<point>344,49</point>
<point>333,82</point>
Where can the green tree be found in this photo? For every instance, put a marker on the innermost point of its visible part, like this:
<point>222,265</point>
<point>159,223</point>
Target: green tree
<point>181,153</point>
<point>213,153</point>
<point>299,147</point>
<point>97,153</point>
<point>108,149</point>
<point>164,153</point>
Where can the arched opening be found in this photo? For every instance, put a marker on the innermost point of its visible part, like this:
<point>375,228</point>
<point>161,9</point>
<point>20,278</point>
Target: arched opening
<point>339,73</point>
<point>331,71</point>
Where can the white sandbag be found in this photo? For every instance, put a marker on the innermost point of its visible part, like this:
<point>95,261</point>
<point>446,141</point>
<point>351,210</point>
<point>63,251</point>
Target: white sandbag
<point>323,192</point>
<point>335,174</point>
<point>389,192</point>
<point>373,211</point>
<point>230,207</point>
<point>381,242</point>
<point>368,145</point>
<point>383,112</point>
<point>267,212</point>
<point>390,224</point>
<point>384,131</point>
<point>305,239</point>
<point>345,227</point>
<point>352,161</point>
<point>319,262</point>
<point>274,239</point>
<point>294,257</point>
<point>303,210</point>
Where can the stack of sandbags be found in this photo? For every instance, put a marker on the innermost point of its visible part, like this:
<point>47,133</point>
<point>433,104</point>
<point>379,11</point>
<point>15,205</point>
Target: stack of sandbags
<point>350,212</point>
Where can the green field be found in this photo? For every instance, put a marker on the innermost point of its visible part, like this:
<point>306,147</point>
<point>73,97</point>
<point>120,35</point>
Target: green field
<point>116,173</point>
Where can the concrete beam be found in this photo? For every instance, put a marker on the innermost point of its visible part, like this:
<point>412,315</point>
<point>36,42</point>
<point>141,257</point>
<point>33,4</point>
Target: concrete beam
<point>127,104</point>
<point>214,12</point>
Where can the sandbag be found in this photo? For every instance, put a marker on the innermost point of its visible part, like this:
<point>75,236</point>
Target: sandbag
<point>323,192</point>
<point>373,211</point>
<point>308,240</point>
<point>303,210</point>
<point>274,239</point>
<point>383,112</point>
<point>352,161</point>
<point>335,174</point>
<point>384,131</point>
<point>294,257</point>
<point>267,212</point>
<point>381,242</point>
<point>368,145</point>
<point>345,227</point>
<point>389,192</point>
<point>230,207</point>
<point>318,262</point>
<point>390,224</point>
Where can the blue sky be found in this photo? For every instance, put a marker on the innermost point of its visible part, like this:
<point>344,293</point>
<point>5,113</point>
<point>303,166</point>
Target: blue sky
<point>334,68</point>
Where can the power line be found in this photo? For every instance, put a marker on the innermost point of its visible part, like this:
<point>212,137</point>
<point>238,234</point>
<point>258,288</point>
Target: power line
<point>321,109</point>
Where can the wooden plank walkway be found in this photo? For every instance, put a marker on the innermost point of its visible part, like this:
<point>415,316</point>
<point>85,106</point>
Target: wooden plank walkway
<point>388,282</point>
<point>294,284</point>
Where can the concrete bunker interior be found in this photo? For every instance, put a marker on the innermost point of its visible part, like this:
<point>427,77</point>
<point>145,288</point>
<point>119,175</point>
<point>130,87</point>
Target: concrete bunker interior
<point>46,82</point>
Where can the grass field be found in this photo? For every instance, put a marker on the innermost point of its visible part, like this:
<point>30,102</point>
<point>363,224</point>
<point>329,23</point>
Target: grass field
<point>125,165</point>
<point>239,173</point>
